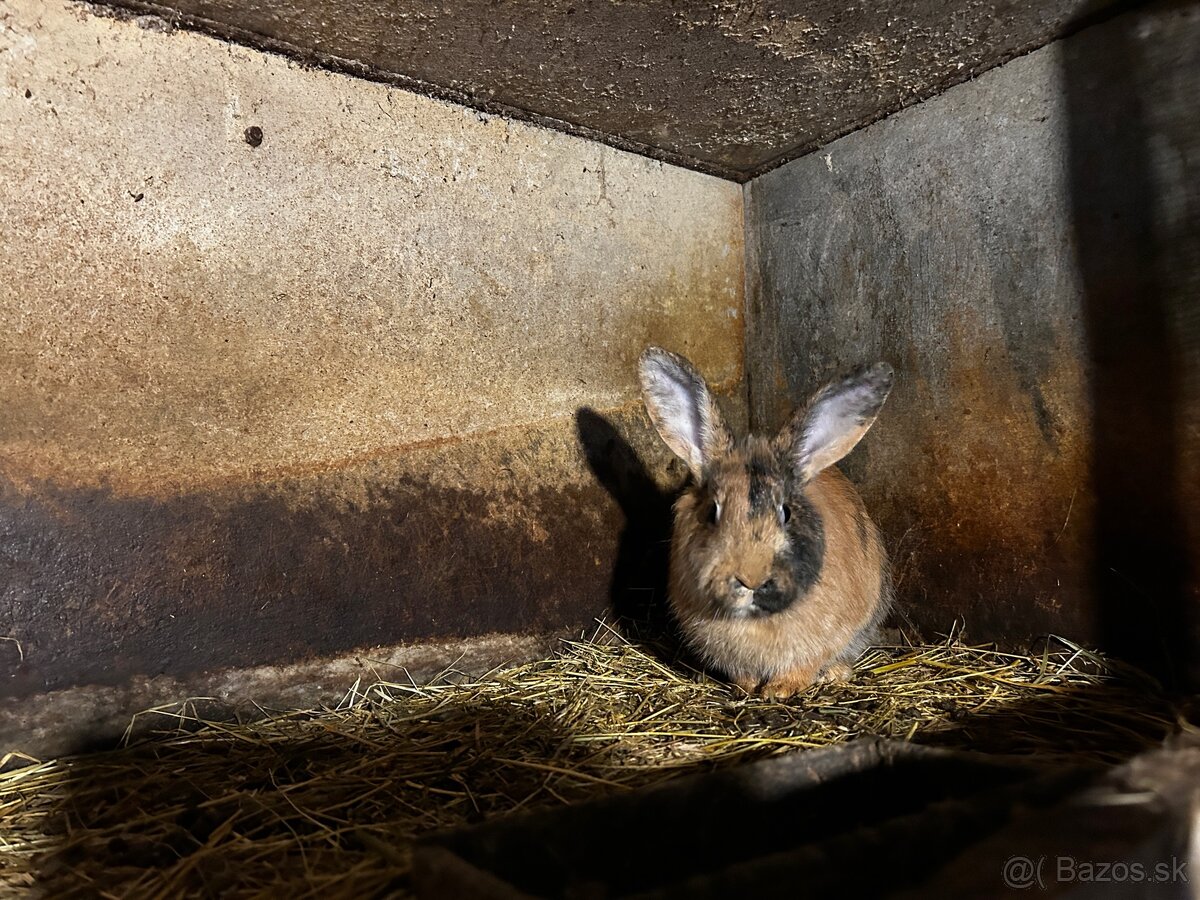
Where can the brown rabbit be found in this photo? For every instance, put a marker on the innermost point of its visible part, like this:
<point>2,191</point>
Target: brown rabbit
<point>778,576</point>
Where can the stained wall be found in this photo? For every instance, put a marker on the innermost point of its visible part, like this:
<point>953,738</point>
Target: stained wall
<point>1025,249</point>
<point>294,364</point>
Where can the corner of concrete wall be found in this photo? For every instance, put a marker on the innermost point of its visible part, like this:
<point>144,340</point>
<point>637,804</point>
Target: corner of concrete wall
<point>767,396</point>
<point>1024,249</point>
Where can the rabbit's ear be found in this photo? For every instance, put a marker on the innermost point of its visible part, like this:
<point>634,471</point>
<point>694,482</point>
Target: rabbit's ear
<point>835,420</point>
<point>682,409</point>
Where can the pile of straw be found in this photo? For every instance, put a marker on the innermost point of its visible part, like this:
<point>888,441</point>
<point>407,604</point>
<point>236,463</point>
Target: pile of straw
<point>326,803</point>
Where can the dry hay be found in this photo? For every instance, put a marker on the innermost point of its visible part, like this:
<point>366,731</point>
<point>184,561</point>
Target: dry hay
<point>325,803</point>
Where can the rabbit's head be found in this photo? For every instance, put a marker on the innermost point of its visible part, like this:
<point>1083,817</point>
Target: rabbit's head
<point>748,542</point>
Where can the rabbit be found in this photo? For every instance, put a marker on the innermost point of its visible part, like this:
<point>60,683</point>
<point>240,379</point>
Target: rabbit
<point>778,578</point>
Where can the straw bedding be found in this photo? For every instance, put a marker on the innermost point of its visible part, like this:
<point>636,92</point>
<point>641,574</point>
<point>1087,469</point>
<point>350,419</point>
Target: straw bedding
<point>326,802</point>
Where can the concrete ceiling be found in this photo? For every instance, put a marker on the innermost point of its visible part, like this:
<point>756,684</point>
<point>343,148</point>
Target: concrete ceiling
<point>731,87</point>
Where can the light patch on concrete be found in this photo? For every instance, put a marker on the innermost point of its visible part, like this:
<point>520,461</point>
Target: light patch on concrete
<point>383,270</point>
<point>85,718</point>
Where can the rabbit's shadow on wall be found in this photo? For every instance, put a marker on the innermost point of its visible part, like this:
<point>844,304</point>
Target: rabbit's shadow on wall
<point>638,588</point>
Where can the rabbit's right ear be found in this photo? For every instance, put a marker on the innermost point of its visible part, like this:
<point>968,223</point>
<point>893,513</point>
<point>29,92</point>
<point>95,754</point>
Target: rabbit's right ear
<point>682,409</point>
<point>835,420</point>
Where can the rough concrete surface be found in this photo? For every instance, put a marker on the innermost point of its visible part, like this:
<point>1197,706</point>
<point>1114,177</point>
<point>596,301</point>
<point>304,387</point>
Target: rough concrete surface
<point>293,363</point>
<point>1024,250</point>
<point>732,87</point>
<point>382,270</point>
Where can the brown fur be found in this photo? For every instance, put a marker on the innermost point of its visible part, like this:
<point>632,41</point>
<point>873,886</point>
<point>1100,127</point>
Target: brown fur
<point>817,609</point>
<point>817,638</point>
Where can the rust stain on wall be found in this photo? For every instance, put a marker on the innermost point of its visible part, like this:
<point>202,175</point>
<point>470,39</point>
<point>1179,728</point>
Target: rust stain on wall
<point>981,486</point>
<point>950,268</point>
<point>500,534</point>
<point>1015,248</point>
<point>984,494</point>
<point>203,402</point>
<point>382,271</point>
<point>273,400</point>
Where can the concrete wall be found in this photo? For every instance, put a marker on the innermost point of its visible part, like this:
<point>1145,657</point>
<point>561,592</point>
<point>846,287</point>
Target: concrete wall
<point>1026,250</point>
<point>293,363</point>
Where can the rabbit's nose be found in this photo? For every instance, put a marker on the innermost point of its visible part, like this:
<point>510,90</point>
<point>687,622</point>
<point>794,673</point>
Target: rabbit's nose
<point>750,584</point>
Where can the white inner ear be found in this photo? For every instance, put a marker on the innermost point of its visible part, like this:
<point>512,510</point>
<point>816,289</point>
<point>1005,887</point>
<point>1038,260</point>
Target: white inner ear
<point>834,425</point>
<point>678,403</point>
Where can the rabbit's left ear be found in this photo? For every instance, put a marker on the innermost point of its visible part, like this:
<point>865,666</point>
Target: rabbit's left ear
<point>835,420</point>
<point>682,409</point>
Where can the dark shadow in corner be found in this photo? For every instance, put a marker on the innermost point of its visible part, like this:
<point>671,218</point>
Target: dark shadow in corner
<point>639,580</point>
<point>1116,99</point>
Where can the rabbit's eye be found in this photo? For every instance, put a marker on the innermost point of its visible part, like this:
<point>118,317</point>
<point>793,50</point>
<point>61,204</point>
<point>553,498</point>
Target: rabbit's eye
<point>785,513</point>
<point>714,512</point>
